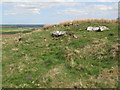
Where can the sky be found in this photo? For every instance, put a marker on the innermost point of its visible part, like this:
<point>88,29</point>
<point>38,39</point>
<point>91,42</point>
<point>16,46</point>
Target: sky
<point>55,11</point>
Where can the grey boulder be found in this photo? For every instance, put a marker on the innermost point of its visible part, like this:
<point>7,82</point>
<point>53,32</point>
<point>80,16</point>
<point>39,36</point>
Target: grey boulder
<point>99,28</point>
<point>102,28</point>
<point>58,33</point>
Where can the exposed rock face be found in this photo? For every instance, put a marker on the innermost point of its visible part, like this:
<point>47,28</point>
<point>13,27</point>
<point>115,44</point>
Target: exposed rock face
<point>99,28</point>
<point>58,33</point>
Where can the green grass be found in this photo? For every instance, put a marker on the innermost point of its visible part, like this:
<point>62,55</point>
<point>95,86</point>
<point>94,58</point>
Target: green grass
<point>16,30</point>
<point>35,62</point>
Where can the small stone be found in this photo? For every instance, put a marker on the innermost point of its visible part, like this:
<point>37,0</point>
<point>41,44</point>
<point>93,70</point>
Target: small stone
<point>61,40</point>
<point>106,37</point>
<point>45,39</point>
<point>15,49</point>
<point>82,46</point>
<point>80,29</point>
<point>76,51</point>
<point>46,45</point>
<point>75,36</point>
<point>20,38</point>
<point>75,24</point>
<point>33,82</point>
<point>111,34</point>
<point>37,84</point>
<point>66,48</point>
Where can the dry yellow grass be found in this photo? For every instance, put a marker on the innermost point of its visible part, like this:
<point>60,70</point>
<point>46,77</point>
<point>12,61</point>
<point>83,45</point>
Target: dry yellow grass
<point>87,20</point>
<point>65,22</point>
<point>49,25</point>
<point>81,20</point>
<point>93,20</point>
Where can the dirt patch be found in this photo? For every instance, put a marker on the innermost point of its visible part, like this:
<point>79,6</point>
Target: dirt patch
<point>9,35</point>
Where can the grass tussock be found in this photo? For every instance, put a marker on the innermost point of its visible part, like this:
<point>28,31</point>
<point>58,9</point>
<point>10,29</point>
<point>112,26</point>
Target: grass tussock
<point>49,26</point>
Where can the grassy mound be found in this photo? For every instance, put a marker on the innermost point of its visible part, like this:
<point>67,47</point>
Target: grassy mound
<point>38,60</point>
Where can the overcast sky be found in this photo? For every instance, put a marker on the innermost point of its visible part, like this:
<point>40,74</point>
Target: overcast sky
<point>46,12</point>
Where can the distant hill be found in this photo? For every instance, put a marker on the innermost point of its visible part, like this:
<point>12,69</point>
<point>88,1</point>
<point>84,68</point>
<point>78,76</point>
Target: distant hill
<point>20,26</point>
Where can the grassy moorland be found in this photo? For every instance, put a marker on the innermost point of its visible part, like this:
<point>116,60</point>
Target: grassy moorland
<point>38,60</point>
<point>6,31</point>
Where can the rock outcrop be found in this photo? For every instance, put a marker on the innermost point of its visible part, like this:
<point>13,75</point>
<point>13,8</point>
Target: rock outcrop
<point>99,28</point>
<point>58,33</point>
